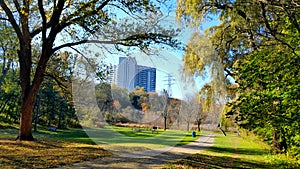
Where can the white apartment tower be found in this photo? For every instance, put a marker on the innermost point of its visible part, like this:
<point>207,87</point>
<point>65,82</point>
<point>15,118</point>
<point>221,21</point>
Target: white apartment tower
<point>130,75</point>
<point>126,72</point>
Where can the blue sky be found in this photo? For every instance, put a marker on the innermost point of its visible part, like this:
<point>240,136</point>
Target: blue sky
<point>166,61</point>
<point>169,62</point>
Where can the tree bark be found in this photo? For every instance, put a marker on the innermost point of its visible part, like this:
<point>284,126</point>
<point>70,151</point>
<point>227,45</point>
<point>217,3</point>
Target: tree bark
<point>198,125</point>
<point>165,123</point>
<point>222,131</point>
<point>279,145</point>
<point>25,132</point>
<point>188,126</point>
<point>276,141</point>
<point>29,89</point>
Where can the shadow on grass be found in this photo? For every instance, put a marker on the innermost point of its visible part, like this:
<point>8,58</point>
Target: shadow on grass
<point>208,161</point>
<point>74,135</point>
<point>46,153</point>
<point>244,151</point>
<point>140,134</point>
<point>2,126</point>
<point>189,139</point>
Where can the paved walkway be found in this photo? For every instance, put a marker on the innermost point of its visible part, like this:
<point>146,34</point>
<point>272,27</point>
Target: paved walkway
<point>147,159</point>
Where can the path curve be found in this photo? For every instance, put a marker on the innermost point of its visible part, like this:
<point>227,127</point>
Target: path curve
<point>156,158</point>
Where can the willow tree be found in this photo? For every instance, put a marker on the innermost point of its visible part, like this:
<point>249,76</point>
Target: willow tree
<point>201,60</point>
<point>44,22</point>
<point>258,44</point>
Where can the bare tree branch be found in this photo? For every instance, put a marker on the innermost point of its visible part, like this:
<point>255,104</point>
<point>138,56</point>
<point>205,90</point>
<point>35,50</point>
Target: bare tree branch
<point>44,22</point>
<point>82,42</point>
<point>17,6</point>
<point>4,19</point>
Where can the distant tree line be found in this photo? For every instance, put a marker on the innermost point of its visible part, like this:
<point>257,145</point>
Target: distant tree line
<point>117,105</point>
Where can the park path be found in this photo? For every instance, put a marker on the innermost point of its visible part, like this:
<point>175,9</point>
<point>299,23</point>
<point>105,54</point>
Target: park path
<point>146,159</point>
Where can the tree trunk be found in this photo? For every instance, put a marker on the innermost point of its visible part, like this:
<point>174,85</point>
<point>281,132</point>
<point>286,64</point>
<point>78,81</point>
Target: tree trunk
<point>28,95</point>
<point>276,141</point>
<point>25,132</point>
<point>280,146</point>
<point>165,123</point>
<point>29,90</point>
<point>188,126</point>
<point>29,86</point>
<point>222,131</point>
<point>198,125</point>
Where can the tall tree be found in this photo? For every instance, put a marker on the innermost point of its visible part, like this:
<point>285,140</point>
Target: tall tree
<point>201,60</point>
<point>245,26</point>
<point>258,43</point>
<point>41,21</point>
<point>189,110</point>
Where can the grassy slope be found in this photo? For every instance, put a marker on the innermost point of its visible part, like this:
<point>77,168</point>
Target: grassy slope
<point>233,152</point>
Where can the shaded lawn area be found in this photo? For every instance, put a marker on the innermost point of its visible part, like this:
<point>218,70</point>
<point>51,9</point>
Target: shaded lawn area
<point>230,152</point>
<point>46,153</point>
<point>51,149</point>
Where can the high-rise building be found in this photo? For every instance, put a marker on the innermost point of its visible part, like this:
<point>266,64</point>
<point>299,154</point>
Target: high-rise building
<point>127,70</point>
<point>146,77</point>
<point>130,75</point>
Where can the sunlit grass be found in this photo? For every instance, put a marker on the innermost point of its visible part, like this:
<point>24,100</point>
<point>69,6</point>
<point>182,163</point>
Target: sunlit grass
<point>136,132</point>
<point>232,152</point>
<point>188,139</point>
<point>4,124</point>
<point>121,135</point>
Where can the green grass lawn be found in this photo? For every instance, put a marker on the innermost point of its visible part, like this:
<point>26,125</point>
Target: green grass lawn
<point>187,139</point>
<point>121,136</point>
<point>73,145</point>
<point>112,135</point>
<point>64,147</point>
<point>235,152</point>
